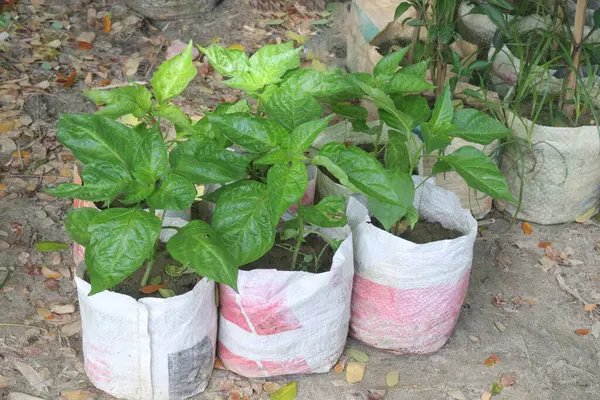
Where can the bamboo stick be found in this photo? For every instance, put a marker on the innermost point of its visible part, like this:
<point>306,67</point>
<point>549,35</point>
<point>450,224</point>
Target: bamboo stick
<point>575,56</point>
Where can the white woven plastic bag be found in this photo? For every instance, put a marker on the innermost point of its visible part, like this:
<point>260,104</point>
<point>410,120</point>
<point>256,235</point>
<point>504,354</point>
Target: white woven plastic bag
<point>152,348</point>
<point>560,176</point>
<point>287,322</point>
<point>407,297</point>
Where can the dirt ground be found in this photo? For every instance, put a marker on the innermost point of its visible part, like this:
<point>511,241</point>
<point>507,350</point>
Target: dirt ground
<point>525,304</point>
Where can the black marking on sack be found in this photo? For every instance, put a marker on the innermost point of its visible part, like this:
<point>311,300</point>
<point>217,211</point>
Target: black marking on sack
<point>190,369</point>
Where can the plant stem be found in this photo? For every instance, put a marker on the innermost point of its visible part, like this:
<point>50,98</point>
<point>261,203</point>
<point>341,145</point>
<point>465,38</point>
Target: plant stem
<point>299,239</point>
<point>147,273</point>
<point>378,138</point>
<point>569,109</point>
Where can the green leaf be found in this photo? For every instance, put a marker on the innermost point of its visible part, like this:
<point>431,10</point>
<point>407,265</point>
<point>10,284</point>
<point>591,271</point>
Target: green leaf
<point>412,216</point>
<point>401,9</point>
<point>443,110</point>
<point>270,62</point>
<point>496,16</point>
<point>390,63</point>
<point>166,293</point>
<point>136,192</point>
<point>94,138</point>
<point>304,135</point>
<point>122,239</point>
<point>279,156</point>
<point>174,193</point>
<point>336,171</point>
<point>290,107</point>
<point>415,106</point>
<point>135,99</point>
<point>436,139</point>
<point>288,392</point>
<point>199,246</point>
<point>181,122</point>
<point>225,61</point>
<point>257,135</point>
<point>356,114</point>
<point>48,247</point>
<point>101,182</point>
<point>151,160</point>
<point>243,219</point>
<point>363,170</point>
<point>416,23</point>
<point>78,222</point>
<point>418,69</point>
<point>241,106</point>
<point>204,163</point>
<point>402,82</point>
<point>286,186</point>
<point>173,76</point>
<point>479,171</point>
<point>329,213</point>
<point>396,152</point>
<point>477,127</point>
<point>389,214</point>
<point>597,19</point>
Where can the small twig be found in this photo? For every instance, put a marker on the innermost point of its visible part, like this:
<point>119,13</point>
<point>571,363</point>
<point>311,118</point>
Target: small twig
<point>24,326</point>
<point>563,285</point>
<point>118,85</point>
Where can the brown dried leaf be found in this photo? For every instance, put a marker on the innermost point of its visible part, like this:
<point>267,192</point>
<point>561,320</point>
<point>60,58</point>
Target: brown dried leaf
<point>527,228</point>
<point>48,273</point>
<point>152,288</point>
<point>543,245</point>
<point>339,367</point>
<point>32,376</point>
<point>355,371</point>
<point>582,332</point>
<point>590,307</point>
<point>77,395</point>
<point>491,360</point>
<point>51,284</point>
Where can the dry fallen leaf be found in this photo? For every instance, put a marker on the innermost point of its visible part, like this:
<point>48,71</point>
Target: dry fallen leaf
<point>491,360</point>
<point>357,355</point>
<point>486,396</point>
<point>271,387</point>
<point>543,245</point>
<point>355,371</point>
<point>550,253</point>
<point>87,37</point>
<point>84,46</point>
<point>63,309</point>
<point>6,381</point>
<point>582,332</point>
<point>237,46</point>
<point>32,376</point>
<point>77,395</point>
<point>527,228</point>
<point>507,379</point>
<point>590,307</point>
<point>288,392</point>
<point>585,217</point>
<point>152,288</point>
<point>219,364</point>
<point>392,379</point>
<point>67,81</point>
<point>456,395</point>
<point>48,273</point>
<point>107,23</point>
<point>339,367</point>
<point>131,65</point>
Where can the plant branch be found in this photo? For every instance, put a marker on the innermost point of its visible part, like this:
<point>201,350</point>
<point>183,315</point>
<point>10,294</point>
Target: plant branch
<point>299,239</point>
<point>147,273</point>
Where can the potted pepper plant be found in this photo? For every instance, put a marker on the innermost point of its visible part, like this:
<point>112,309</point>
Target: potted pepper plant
<point>136,344</point>
<point>403,266</point>
<point>291,311</point>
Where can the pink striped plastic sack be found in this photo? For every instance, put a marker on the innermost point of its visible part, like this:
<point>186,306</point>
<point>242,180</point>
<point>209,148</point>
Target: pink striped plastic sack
<point>287,322</point>
<point>407,297</point>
